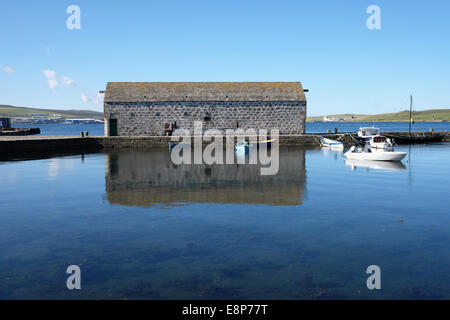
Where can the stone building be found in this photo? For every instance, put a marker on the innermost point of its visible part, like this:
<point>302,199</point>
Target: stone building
<point>154,108</point>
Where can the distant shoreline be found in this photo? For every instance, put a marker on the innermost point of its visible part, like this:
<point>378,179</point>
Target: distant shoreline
<point>433,115</point>
<point>7,111</point>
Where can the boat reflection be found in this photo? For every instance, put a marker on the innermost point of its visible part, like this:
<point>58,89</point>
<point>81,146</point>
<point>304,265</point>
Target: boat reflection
<point>377,165</point>
<point>148,178</point>
<point>330,152</point>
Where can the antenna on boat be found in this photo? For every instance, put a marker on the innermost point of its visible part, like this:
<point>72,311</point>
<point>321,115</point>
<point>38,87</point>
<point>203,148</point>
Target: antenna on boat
<point>410,115</point>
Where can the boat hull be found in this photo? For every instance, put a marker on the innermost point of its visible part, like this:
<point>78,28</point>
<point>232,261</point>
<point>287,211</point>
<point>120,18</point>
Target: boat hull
<point>333,144</point>
<point>416,139</point>
<point>19,131</point>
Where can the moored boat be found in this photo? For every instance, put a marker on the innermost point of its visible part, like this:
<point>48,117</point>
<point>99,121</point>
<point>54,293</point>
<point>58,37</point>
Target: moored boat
<point>329,143</point>
<point>19,131</point>
<point>242,147</point>
<point>415,138</point>
<point>379,155</point>
<point>265,143</point>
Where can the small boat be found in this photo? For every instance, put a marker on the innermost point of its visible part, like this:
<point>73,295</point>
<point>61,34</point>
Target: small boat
<point>19,131</point>
<point>416,138</point>
<point>328,143</point>
<point>182,145</point>
<point>21,120</point>
<point>379,155</point>
<point>264,143</point>
<point>242,147</point>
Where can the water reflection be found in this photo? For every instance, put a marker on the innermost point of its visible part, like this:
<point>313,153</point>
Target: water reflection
<point>377,165</point>
<point>146,178</point>
<point>332,153</point>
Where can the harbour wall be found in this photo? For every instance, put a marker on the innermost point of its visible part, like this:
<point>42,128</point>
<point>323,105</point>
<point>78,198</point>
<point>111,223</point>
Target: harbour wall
<point>35,145</point>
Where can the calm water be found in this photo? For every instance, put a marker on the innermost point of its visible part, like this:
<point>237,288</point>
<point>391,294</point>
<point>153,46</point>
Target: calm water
<point>141,227</point>
<point>64,129</point>
<point>311,127</point>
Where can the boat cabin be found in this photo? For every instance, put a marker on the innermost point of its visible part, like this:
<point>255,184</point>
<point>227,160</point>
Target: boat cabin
<point>367,132</point>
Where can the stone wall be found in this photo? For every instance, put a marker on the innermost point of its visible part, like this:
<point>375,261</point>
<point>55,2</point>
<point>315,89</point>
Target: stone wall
<point>149,118</point>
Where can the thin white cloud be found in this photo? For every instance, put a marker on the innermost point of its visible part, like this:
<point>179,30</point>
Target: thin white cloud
<point>99,98</point>
<point>89,97</point>
<point>47,50</point>
<point>85,97</point>
<point>7,69</point>
<point>54,80</point>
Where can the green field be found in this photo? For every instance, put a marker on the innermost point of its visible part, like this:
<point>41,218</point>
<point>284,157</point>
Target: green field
<point>436,115</point>
<point>12,112</point>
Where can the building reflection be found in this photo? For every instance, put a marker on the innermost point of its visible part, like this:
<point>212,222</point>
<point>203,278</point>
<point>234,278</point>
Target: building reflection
<point>147,178</point>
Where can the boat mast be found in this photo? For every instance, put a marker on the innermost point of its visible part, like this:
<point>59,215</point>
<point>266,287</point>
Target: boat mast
<point>410,115</point>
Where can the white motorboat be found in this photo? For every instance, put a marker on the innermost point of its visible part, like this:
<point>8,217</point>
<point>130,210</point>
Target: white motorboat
<point>378,155</point>
<point>328,143</point>
<point>372,136</point>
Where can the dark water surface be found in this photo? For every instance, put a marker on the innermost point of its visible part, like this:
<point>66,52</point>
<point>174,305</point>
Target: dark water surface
<point>140,227</point>
<point>311,127</point>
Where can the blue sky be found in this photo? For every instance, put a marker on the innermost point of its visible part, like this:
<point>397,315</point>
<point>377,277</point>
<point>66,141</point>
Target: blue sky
<point>324,44</point>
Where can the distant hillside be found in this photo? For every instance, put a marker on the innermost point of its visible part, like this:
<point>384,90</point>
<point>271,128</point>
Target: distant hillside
<point>12,112</point>
<point>428,115</point>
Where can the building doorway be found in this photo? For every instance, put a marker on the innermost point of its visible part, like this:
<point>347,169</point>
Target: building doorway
<point>112,127</point>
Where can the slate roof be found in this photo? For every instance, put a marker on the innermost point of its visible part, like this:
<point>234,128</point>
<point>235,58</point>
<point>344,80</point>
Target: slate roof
<point>203,91</point>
